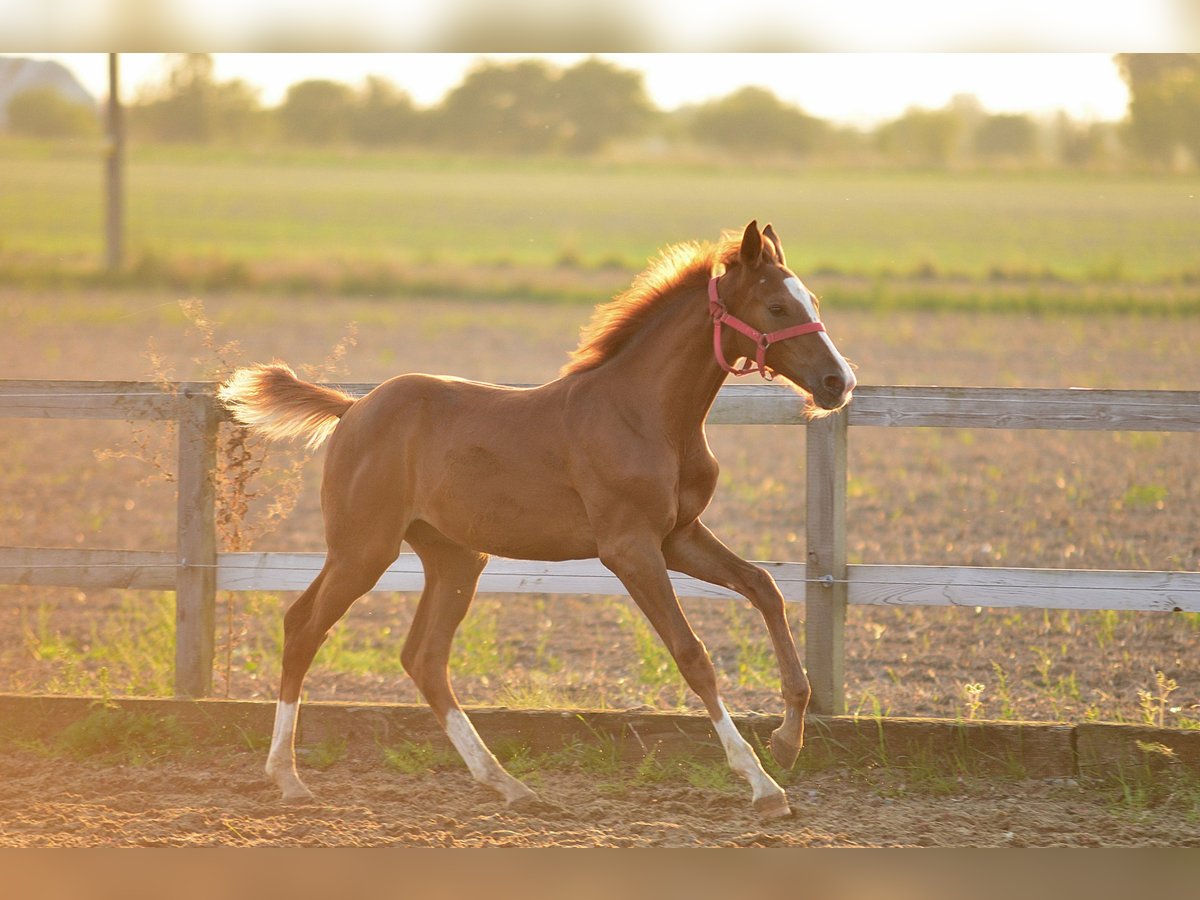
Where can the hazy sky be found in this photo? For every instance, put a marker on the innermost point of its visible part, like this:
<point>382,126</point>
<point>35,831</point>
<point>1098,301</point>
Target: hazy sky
<point>859,88</point>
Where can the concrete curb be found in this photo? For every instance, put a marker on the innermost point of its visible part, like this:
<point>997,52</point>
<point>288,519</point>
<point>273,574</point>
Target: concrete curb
<point>1017,749</point>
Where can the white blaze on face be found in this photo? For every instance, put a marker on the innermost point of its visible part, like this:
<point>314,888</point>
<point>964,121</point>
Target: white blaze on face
<point>797,289</point>
<point>801,293</point>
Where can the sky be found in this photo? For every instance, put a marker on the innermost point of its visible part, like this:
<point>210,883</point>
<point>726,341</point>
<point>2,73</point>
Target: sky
<point>852,88</point>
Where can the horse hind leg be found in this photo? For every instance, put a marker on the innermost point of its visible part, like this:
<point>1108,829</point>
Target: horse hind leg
<point>305,626</point>
<point>451,574</point>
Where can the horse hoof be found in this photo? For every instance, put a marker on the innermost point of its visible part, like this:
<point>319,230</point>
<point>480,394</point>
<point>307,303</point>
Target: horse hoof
<point>772,806</point>
<point>784,751</point>
<point>298,796</point>
<point>527,802</point>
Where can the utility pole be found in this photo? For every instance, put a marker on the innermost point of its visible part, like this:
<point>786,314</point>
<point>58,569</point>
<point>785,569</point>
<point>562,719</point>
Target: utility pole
<point>114,173</point>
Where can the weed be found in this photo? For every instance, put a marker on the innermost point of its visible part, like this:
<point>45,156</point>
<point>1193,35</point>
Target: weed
<point>411,758</point>
<point>1106,621</point>
<point>656,669</point>
<point>519,759</point>
<point>139,643</point>
<point>536,690</point>
<point>599,756</point>
<point>869,700</point>
<point>755,657</point>
<point>324,754</point>
<point>709,775</point>
<point>542,657</point>
<point>972,696</point>
<point>1045,662</point>
<point>1008,709</point>
<point>476,650</point>
<point>1144,496</point>
<point>113,735</point>
<point>340,653</point>
<point>135,647</point>
<point>1157,779</point>
<point>255,743</point>
<point>1154,705</point>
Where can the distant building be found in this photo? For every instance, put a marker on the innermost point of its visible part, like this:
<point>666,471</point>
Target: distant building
<point>19,74</point>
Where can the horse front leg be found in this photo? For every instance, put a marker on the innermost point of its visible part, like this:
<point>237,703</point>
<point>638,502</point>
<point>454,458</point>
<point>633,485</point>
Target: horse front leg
<point>694,550</point>
<point>641,567</point>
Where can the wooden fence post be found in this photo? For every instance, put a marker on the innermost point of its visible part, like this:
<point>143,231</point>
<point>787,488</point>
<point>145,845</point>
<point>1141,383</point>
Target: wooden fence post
<point>196,579</point>
<point>825,538</point>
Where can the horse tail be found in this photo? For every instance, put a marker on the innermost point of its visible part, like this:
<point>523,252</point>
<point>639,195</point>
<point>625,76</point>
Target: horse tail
<point>274,402</point>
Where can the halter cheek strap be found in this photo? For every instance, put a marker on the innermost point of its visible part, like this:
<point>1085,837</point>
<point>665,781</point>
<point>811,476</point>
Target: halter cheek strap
<point>722,316</point>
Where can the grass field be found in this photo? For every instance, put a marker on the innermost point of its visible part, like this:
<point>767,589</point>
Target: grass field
<point>404,223</point>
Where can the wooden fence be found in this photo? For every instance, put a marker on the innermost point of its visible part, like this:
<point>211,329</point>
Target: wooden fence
<point>825,583</point>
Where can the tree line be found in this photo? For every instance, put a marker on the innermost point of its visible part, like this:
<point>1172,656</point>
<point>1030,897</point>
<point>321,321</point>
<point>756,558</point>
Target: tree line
<point>530,107</point>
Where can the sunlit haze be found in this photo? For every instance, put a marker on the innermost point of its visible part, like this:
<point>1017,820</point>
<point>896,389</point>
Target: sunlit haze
<point>855,88</point>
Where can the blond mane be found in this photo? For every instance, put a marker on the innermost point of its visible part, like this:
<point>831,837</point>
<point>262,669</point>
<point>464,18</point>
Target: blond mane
<point>614,323</point>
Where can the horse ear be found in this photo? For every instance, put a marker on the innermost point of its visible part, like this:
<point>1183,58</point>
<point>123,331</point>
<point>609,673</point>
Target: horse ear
<point>770,235</point>
<point>751,252</point>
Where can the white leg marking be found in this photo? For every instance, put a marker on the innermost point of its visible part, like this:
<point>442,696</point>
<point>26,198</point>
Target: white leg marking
<point>768,796</point>
<point>479,759</point>
<point>281,759</point>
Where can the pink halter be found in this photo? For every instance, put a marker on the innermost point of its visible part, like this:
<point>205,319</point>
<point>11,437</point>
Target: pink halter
<point>722,316</point>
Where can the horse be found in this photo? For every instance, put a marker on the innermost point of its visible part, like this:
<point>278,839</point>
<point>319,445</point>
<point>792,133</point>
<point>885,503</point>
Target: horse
<point>607,461</point>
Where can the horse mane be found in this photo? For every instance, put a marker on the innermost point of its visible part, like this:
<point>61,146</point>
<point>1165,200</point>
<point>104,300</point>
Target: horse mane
<point>614,323</point>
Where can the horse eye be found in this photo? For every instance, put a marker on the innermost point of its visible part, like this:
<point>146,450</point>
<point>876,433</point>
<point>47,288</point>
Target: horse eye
<point>777,309</point>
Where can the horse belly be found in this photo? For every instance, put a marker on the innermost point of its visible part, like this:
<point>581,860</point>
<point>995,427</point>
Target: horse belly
<point>508,508</point>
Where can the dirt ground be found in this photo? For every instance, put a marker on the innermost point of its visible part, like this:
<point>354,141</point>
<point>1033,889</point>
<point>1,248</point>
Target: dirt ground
<point>224,800</point>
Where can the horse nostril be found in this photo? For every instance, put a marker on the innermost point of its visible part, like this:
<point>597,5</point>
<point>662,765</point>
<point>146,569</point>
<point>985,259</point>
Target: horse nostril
<point>835,384</point>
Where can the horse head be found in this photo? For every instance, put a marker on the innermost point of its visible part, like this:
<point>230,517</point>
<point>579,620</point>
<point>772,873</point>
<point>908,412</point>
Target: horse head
<point>763,312</point>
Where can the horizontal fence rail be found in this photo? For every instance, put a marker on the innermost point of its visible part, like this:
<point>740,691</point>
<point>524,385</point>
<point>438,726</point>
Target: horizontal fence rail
<point>868,585</point>
<point>826,583</point>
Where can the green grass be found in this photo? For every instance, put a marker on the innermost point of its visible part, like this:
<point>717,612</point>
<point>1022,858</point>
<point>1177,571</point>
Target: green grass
<point>131,651</point>
<point>756,664</point>
<point>403,222</point>
<point>1157,780</point>
<point>412,758</point>
<point>117,736</point>
<point>656,671</point>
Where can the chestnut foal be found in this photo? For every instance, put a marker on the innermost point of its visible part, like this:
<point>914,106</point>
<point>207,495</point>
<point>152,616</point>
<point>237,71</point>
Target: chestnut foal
<point>609,460</point>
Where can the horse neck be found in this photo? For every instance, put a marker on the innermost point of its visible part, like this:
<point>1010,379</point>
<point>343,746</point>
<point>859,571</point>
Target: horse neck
<point>669,365</point>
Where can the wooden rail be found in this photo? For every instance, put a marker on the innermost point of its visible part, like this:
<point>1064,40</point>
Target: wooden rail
<point>824,582</point>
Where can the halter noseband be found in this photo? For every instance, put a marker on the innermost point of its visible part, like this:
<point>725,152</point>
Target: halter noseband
<point>722,316</point>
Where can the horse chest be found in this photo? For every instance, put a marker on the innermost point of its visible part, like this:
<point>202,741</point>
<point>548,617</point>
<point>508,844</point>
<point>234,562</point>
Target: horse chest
<point>697,483</point>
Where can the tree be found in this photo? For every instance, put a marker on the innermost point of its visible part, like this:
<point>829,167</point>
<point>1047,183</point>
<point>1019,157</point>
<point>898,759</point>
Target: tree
<point>503,107</point>
<point>317,111</point>
<point>753,118</point>
<point>43,112</point>
<point>192,106</point>
<point>1080,145</point>
<point>1164,104</point>
<point>383,114</point>
<point>1006,136</point>
<point>921,137</point>
<point>598,102</point>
